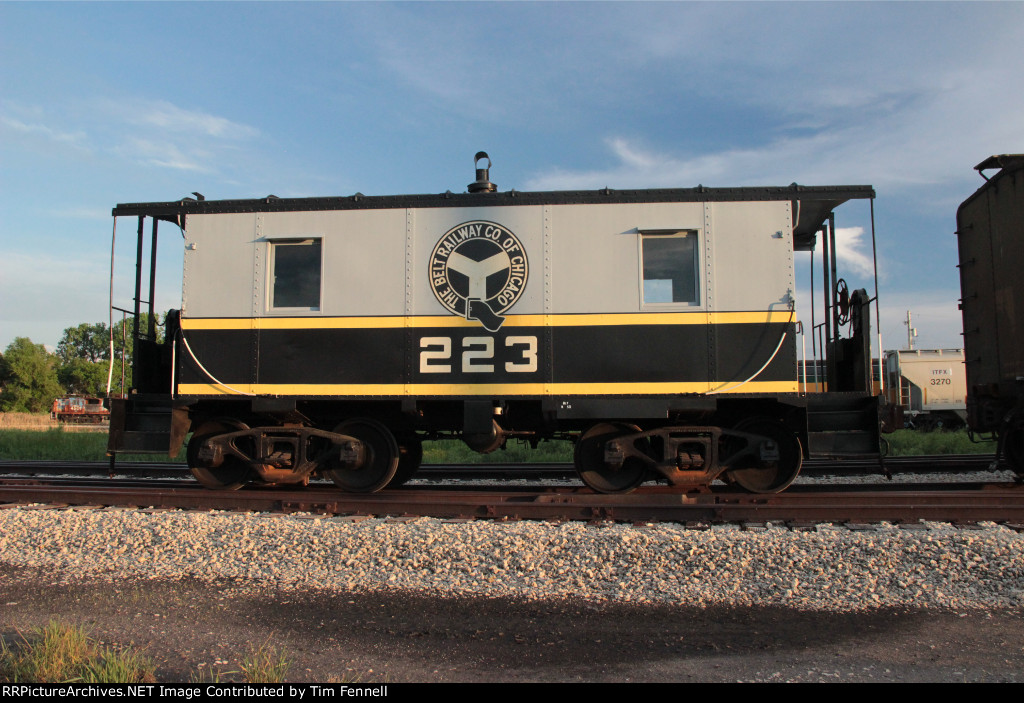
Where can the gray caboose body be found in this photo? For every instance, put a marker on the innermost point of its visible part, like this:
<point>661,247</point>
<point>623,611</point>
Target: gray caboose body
<point>655,328</point>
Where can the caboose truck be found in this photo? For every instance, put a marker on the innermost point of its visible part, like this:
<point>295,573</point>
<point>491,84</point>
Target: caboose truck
<point>654,328</point>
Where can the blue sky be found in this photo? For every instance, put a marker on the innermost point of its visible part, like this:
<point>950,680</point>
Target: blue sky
<point>103,103</point>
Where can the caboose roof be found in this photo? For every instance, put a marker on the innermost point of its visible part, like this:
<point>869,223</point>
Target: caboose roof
<point>811,204</point>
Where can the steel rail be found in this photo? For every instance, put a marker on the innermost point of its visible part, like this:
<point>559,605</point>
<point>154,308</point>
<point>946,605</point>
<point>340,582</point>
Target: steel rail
<point>948,463</point>
<point>995,502</point>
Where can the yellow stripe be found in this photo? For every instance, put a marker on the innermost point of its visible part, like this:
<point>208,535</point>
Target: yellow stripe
<point>487,389</point>
<point>581,320</point>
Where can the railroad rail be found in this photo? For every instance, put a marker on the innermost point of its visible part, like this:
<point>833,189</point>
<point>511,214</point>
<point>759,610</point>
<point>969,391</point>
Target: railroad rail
<point>946,463</point>
<point>801,505</point>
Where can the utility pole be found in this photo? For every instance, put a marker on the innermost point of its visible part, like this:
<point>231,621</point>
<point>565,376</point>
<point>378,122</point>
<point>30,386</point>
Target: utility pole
<point>911,332</point>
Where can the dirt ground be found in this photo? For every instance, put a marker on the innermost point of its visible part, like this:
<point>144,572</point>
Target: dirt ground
<point>188,626</point>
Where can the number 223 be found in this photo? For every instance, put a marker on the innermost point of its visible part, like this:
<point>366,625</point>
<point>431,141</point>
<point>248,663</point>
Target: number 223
<point>478,355</point>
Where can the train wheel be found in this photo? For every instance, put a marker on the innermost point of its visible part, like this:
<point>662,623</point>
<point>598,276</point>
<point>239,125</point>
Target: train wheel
<point>773,474</point>
<point>1013,449</point>
<point>233,473</point>
<point>599,475</point>
<point>381,461</point>
<point>410,456</point>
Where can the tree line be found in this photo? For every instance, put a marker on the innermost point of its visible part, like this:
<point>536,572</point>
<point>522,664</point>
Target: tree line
<point>31,377</point>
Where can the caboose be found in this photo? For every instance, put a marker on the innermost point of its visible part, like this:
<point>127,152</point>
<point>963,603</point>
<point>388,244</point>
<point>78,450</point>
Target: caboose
<point>656,329</point>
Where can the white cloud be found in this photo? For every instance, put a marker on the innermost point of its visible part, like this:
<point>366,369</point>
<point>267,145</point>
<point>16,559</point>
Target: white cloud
<point>850,252</point>
<point>33,302</point>
<point>165,154</point>
<point>75,139</point>
<point>935,317</point>
<point>153,132</point>
<point>167,117</point>
<point>75,288</point>
<point>924,145</point>
<point>917,114</point>
<point>161,134</point>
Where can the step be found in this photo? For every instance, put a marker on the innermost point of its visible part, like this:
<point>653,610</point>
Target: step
<point>842,443</point>
<point>133,442</point>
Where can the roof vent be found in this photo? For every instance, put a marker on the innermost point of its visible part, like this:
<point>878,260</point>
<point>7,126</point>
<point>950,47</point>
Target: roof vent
<point>482,184</point>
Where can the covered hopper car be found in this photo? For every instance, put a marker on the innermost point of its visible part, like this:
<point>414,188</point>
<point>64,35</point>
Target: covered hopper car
<point>928,386</point>
<point>654,328</point>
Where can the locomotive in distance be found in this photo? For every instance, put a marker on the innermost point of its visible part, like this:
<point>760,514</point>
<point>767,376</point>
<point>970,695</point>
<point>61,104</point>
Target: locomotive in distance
<point>656,329</point>
<point>79,409</point>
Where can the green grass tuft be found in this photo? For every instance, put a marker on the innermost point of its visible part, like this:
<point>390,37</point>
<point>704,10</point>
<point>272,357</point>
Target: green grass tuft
<point>60,653</point>
<point>917,443</point>
<point>58,445</point>
<point>454,451</point>
<point>265,664</point>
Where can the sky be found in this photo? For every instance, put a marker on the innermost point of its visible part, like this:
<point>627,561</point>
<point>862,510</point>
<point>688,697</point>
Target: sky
<point>106,103</point>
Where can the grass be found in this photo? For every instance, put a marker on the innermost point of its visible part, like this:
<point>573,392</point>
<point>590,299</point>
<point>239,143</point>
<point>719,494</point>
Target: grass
<point>454,451</point>
<point>60,653</point>
<point>914,443</point>
<point>266,664</point>
<point>26,420</point>
<point>55,444</point>
<point>263,664</point>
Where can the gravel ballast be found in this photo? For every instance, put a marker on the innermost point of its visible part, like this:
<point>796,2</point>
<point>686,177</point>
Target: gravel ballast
<point>828,568</point>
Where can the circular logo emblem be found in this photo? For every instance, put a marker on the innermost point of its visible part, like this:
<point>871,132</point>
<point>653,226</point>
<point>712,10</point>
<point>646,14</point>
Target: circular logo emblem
<point>478,270</point>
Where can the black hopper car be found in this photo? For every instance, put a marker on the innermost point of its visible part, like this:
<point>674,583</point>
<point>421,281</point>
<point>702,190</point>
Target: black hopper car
<point>990,235</point>
<point>656,329</point>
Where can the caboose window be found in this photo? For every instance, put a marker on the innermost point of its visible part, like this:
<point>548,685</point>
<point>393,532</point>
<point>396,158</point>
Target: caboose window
<point>670,267</point>
<point>296,274</point>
